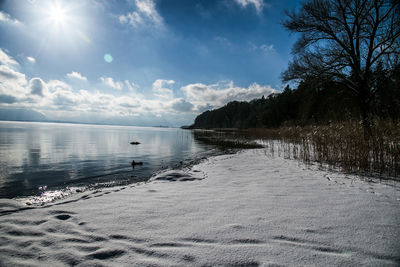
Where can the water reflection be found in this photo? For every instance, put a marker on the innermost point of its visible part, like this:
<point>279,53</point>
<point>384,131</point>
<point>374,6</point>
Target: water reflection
<point>34,157</point>
<point>58,155</point>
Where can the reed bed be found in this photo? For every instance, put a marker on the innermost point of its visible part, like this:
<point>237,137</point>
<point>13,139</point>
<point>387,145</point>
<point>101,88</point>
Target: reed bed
<point>225,140</point>
<point>341,145</point>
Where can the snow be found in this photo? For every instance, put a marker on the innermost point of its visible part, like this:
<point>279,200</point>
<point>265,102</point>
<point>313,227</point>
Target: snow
<point>245,209</point>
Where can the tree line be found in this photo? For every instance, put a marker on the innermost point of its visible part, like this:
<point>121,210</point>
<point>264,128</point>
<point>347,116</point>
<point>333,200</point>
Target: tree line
<point>310,102</point>
<point>345,66</point>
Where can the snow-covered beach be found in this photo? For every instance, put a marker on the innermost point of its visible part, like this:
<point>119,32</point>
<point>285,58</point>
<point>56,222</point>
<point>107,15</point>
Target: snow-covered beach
<point>245,209</point>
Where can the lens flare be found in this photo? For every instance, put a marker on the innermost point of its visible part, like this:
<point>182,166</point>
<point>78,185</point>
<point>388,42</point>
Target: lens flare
<point>108,58</point>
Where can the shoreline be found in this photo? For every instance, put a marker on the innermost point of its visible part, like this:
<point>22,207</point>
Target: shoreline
<point>71,193</point>
<point>238,209</point>
<point>65,193</point>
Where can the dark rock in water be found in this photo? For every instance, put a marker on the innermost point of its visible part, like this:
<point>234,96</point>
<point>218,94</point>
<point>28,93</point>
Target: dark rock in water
<point>134,163</point>
<point>134,143</point>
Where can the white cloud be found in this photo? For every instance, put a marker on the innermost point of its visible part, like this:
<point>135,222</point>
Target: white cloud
<point>119,85</point>
<point>144,15</point>
<point>223,41</point>
<point>258,4</point>
<point>76,75</point>
<point>7,99</point>
<point>54,85</point>
<point>130,85</point>
<point>161,90</point>
<point>267,48</point>
<point>6,18</point>
<point>37,86</point>
<point>6,59</point>
<point>67,101</point>
<point>147,7</point>
<point>12,83</point>
<point>181,105</point>
<point>6,73</point>
<point>217,95</point>
<point>31,59</point>
<point>108,81</point>
<point>264,48</point>
<point>132,18</point>
<point>9,76</point>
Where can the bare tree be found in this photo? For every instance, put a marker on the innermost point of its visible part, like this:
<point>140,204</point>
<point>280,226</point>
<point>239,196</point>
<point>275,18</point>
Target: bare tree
<point>344,40</point>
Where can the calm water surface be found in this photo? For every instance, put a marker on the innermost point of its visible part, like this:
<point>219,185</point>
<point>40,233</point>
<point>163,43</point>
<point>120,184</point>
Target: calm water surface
<point>57,155</point>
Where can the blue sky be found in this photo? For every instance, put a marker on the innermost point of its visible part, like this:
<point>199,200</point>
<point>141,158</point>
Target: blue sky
<point>139,62</point>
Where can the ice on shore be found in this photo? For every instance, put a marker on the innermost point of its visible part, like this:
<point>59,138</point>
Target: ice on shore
<point>246,209</point>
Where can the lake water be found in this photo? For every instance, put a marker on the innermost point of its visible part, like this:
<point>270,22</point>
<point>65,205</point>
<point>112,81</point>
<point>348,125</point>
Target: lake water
<point>37,157</point>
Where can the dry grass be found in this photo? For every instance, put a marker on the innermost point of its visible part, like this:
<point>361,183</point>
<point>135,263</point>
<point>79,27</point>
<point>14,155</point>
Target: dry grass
<point>342,146</point>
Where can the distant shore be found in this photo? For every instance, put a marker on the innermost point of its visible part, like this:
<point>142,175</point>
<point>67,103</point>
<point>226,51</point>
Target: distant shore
<point>88,123</point>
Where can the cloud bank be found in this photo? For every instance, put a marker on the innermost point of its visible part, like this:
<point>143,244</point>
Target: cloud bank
<point>5,59</point>
<point>216,95</point>
<point>166,104</point>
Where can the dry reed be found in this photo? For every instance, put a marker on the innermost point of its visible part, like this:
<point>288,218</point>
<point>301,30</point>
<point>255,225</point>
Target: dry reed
<point>342,146</point>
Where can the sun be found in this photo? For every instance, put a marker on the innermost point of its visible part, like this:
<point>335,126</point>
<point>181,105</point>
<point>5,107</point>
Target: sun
<point>58,14</point>
<point>63,22</point>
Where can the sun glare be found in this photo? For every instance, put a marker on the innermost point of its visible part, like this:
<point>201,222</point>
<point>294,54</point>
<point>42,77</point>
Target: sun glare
<point>57,14</point>
<point>62,22</point>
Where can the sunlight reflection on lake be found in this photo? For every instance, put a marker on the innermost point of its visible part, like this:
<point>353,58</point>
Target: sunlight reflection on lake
<point>57,155</point>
